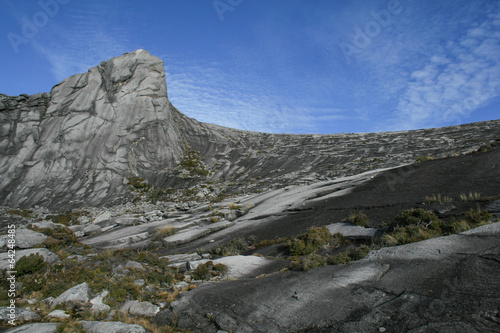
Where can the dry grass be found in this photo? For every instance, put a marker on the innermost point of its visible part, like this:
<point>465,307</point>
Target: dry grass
<point>166,231</point>
<point>470,197</point>
<point>437,198</point>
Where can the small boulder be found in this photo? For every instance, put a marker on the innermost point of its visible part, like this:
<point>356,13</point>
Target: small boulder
<point>98,305</point>
<point>79,293</point>
<point>91,229</point>
<point>60,314</point>
<point>26,238</point>
<point>134,265</point>
<point>102,218</point>
<point>144,309</point>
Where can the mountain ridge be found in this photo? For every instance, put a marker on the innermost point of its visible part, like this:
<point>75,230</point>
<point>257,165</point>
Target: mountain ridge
<point>82,142</point>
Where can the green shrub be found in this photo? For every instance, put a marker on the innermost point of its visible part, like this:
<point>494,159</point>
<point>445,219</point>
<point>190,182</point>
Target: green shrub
<point>358,218</point>
<point>30,264</point>
<point>207,270</point>
<point>309,262</point>
<point>312,240</point>
<point>417,216</point>
<point>58,238</point>
<point>235,247</point>
<point>477,217</point>
<point>67,218</point>
<point>26,213</point>
<point>409,234</point>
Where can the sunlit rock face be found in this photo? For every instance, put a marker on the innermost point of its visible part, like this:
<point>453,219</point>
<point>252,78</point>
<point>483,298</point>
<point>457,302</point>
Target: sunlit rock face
<point>79,142</point>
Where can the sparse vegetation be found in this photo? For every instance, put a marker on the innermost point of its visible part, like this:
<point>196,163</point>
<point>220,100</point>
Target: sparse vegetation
<point>358,218</point>
<point>30,264</point>
<point>68,218</point>
<point>166,231</point>
<point>312,240</point>
<point>191,162</point>
<point>437,199</point>
<point>424,158</point>
<point>26,213</point>
<point>235,247</point>
<point>472,196</point>
<point>208,270</point>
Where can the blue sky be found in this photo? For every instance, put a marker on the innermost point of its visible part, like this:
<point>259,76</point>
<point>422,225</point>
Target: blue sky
<point>282,66</point>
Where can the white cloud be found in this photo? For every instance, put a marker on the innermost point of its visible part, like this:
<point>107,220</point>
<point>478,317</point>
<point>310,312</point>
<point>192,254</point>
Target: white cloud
<point>456,82</point>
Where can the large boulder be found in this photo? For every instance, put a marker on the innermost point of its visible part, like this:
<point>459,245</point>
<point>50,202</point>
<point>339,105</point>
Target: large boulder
<point>26,238</point>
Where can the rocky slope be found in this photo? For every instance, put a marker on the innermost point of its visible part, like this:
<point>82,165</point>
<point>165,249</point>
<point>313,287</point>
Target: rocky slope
<point>79,144</point>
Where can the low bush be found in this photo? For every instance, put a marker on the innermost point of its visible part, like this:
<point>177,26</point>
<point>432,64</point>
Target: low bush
<point>358,218</point>
<point>208,270</point>
<point>235,247</point>
<point>30,264</point>
<point>417,216</point>
<point>312,240</point>
<point>58,238</point>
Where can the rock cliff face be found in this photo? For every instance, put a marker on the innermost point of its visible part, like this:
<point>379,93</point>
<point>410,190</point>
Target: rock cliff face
<point>93,130</point>
<point>78,144</point>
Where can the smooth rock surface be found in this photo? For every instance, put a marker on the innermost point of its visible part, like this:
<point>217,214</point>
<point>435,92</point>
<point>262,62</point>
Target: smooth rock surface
<point>144,309</point>
<point>111,327</point>
<point>352,231</point>
<point>35,328</point>
<point>60,314</point>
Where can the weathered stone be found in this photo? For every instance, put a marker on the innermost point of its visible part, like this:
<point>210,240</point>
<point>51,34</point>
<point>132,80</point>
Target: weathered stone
<point>98,305</point>
<point>35,328</point>
<point>20,314</point>
<point>91,229</point>
<point>78,293</point>
<point>60,314</point>
<point>134,265</point>
<point>111,326</point>
<point>26,238</point>
<point>143,309</point>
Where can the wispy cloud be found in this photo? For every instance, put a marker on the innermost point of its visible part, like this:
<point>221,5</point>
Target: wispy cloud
<point>209,92</point>
<point>456,81</point>
<point>83,43</point>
